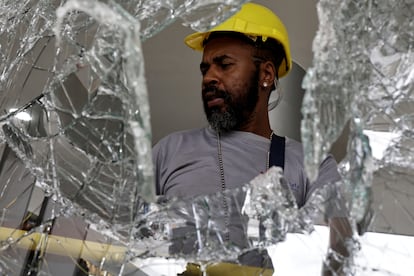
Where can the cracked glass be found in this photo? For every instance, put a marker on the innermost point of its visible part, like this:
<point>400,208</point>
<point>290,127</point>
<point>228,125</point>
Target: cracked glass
<point>77,187</point>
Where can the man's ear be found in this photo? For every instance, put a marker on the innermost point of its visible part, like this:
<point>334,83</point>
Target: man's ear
<point>267,74</point>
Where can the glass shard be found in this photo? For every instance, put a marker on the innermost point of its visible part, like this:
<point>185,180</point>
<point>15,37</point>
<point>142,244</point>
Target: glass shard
<point>362,73</point>
<point>76,189</point>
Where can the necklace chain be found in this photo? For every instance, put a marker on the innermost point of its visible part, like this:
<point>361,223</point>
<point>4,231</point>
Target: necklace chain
<point>223,182</point>
<point>223,189</point>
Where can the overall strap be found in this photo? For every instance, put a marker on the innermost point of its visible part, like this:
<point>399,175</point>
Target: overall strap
<point>277,151</point>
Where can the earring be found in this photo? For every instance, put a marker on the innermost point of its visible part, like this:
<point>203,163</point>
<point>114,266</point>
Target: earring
<point>265,84</point>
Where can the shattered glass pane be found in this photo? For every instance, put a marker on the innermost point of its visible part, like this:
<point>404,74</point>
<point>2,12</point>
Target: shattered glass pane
<point>77,192</point>
<point>363,73</point>
<point>253,205</point>
<point>75,128</point>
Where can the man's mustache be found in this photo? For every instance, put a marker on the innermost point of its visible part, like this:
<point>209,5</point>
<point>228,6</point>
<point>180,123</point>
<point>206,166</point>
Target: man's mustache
<point>212,92</point>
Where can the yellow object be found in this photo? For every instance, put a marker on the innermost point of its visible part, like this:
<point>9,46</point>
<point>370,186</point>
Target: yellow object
<point>94,251</point>
<point>226,269</point>
<point>251,20</point>
<point>63,246</point>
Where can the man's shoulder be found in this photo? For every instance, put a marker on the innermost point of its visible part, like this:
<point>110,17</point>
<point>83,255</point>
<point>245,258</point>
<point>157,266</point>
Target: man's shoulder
<point>294,148</point>
<point>183,134</point>
<point>182,137</point>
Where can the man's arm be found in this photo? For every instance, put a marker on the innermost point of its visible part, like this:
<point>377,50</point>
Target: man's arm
<point>340,235</point>
<point>337,216</point>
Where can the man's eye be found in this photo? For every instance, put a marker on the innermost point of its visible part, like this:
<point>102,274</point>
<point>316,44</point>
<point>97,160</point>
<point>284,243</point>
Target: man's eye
<point>203,70</point>
<point>225,65</point>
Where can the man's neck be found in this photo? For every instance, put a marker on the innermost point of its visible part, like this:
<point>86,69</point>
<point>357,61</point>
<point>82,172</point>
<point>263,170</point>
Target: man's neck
<point>258,125</point>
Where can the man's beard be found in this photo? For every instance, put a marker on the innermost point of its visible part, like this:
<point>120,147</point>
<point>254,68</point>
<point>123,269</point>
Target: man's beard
<point>237,109</point>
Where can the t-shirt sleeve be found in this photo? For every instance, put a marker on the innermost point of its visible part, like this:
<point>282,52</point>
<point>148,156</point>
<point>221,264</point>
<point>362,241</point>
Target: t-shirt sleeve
<point>334,199</point>
<point>157,159</point>
<point>327,174</point>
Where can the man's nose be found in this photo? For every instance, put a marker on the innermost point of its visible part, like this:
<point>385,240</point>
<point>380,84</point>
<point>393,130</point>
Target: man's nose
<point>211,76</point>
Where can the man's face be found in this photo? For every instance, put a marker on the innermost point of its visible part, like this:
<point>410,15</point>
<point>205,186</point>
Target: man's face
<point>230,83</point>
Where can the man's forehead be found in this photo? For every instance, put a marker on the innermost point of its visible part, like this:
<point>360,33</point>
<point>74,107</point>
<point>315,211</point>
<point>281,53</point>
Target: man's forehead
<point>226,46</point>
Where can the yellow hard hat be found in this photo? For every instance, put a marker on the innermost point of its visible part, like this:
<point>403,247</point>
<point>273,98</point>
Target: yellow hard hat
<point>251,20</point>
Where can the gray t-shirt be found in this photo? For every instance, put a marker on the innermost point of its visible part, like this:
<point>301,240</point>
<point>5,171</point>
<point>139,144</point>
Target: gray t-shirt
<point>186,164</point>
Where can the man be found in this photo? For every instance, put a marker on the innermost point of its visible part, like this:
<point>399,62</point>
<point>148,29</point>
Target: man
<point>243,58</point>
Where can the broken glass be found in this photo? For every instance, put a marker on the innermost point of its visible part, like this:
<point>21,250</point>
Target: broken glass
<point>77,192</point>
<point>362,74</point>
